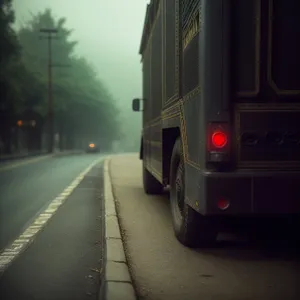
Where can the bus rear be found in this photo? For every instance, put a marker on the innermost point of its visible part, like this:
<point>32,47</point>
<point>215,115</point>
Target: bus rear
<point>249,118</point>
<point>264,105</point>
<point>228,142</point>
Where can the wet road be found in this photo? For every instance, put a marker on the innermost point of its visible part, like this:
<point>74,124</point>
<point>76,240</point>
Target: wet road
<point>65,258</point>
<point>25,190</point>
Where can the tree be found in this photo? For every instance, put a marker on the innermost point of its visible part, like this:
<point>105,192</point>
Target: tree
<point>83,107</point>
<point>9,61</point>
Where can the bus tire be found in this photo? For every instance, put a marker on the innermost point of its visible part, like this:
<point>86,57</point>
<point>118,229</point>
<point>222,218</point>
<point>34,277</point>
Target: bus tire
<point>151,185</point>
<point>191,229</point>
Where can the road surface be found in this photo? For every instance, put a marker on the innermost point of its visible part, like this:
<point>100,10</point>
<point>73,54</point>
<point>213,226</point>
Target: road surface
<point>65,258</point>
<point>163,269</point>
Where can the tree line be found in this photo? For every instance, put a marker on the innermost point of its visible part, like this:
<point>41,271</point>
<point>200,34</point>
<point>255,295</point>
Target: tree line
<point>83,107</point>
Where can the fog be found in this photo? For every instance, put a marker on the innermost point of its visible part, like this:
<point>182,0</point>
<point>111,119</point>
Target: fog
<point>108,35</point>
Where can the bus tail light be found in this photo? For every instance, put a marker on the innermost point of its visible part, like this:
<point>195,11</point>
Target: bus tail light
<point>223,204</point>
<point>219,139</point>
<point>218,142</point>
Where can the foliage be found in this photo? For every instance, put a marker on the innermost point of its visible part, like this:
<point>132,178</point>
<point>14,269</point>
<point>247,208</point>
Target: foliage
<point>8,41</point>
<point>82,104</point>
<point>9,50</point>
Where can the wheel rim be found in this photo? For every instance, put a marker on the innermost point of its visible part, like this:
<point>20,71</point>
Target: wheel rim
<point>179,189</point>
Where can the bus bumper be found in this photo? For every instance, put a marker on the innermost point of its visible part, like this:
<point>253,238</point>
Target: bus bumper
<point>248,193</point>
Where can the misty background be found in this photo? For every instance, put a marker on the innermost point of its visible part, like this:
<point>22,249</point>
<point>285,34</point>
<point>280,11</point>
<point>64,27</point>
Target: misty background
<point>108,35</point>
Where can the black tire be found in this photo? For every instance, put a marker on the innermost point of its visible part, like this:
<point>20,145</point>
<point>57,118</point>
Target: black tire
<point>151,185</point>
<point>191,228</point>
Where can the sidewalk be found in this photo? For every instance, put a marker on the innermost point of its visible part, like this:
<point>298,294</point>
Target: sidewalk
<point>163,269</point>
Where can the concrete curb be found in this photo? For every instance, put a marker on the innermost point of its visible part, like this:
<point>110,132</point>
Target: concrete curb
<point>117,284</point>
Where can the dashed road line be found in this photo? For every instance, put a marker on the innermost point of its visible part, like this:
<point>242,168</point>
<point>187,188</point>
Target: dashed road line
<point>25,239</point>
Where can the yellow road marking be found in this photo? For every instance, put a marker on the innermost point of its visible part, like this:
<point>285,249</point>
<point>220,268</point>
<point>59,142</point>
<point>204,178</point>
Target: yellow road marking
<point>24,162</point>
<point>25,239</point>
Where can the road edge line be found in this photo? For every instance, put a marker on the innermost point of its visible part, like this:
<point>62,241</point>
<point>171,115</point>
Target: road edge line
<point>117,283</point>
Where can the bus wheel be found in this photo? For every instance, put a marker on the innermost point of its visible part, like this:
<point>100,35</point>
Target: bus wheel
<point>151,185</point>
<point>191,228</point>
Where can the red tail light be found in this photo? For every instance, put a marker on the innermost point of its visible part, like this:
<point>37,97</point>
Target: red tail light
<point>218,142</point>
<point>219,139</point>
<point>223,204</point>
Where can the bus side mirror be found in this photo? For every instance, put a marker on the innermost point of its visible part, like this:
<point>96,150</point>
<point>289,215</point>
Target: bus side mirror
<point>136,104</point>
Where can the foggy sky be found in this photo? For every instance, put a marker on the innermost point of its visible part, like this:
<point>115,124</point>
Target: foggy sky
<point>108,32</point>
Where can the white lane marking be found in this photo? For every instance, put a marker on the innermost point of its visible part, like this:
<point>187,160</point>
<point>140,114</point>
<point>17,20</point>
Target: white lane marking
<point>26,238</point>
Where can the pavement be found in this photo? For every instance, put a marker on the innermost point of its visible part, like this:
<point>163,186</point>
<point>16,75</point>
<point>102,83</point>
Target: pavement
<point>52,228</point>
<point>160,268</point>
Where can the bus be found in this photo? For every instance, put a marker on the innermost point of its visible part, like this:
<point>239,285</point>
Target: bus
<point>221,111</point>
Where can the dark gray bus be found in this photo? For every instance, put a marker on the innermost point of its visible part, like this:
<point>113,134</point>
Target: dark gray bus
<point>221,110</point>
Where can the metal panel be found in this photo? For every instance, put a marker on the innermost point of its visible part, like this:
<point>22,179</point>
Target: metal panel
<point>284,47</point>
<point>191,11</point>
<point>147,84</point>
<point>246,47</point>
<point>156,68</point>
<point>265,50</point>
<point>190,70</point>
<point>215,60</point>
<point>266,63</point>
<point>272,140</point>
<point>147,102</point>
<point>172,46</point>
<point>191,109</point>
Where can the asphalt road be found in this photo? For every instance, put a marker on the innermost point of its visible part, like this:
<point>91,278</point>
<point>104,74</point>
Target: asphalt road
<point>163,269</point>
<point>65,259</point>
